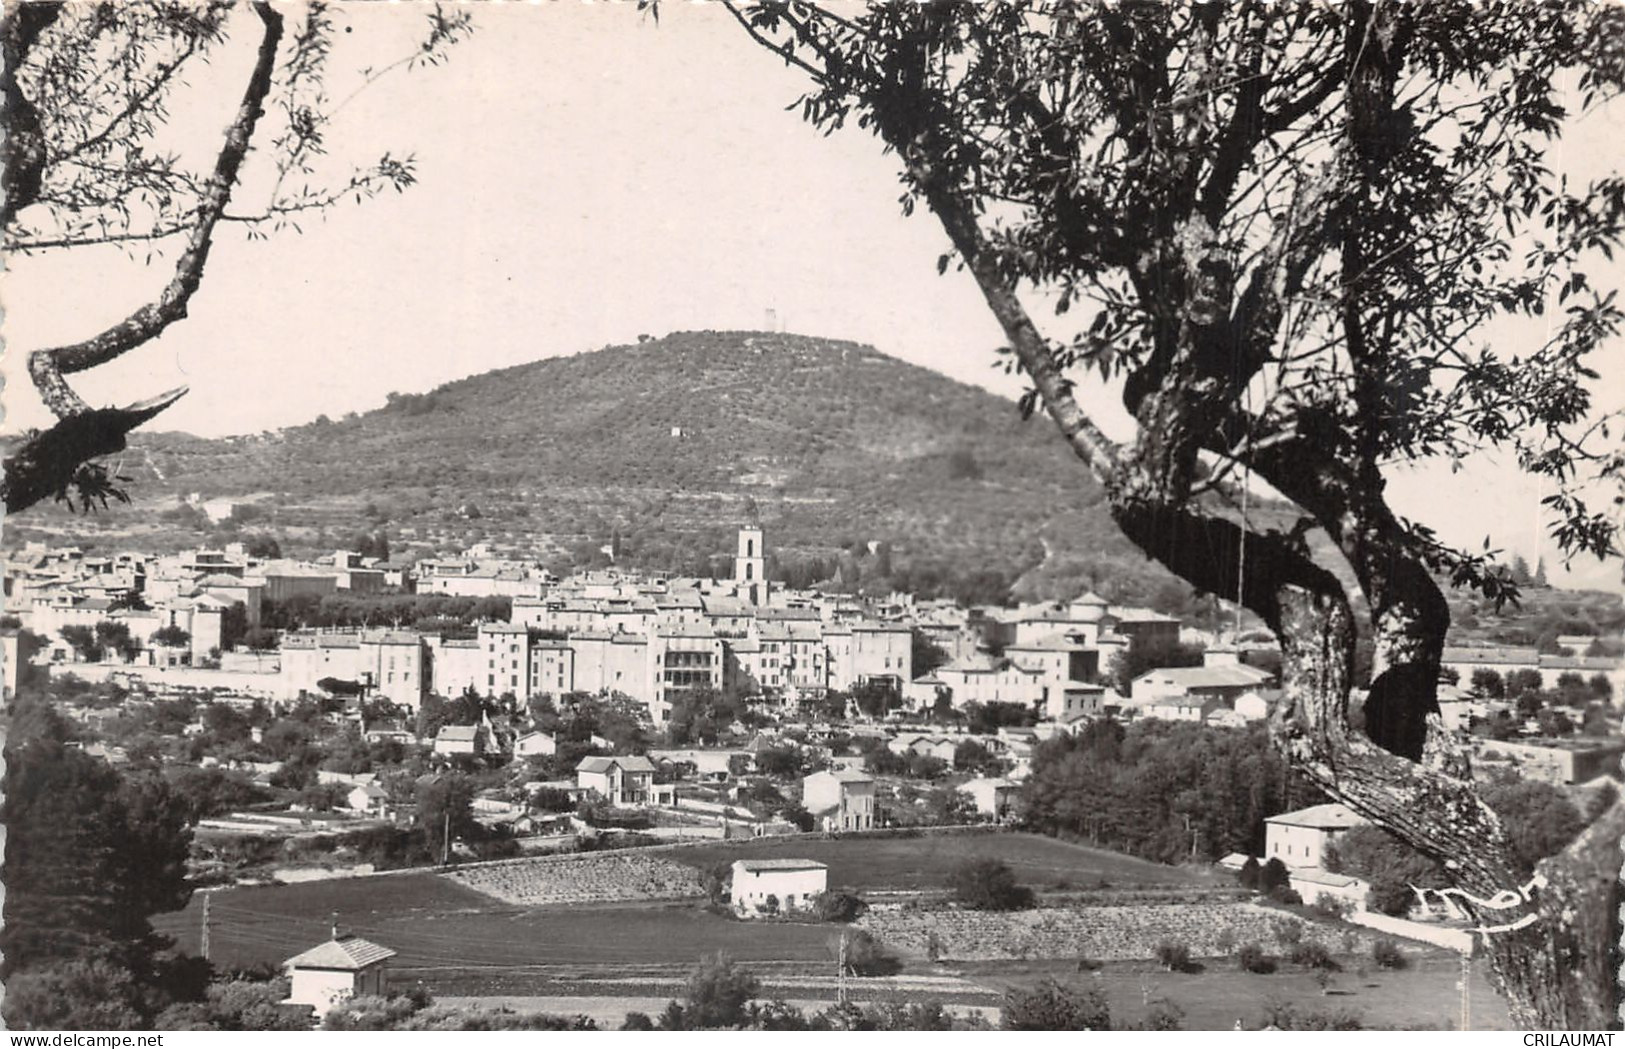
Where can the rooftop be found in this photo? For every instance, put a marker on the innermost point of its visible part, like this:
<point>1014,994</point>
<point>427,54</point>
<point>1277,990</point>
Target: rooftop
<point>1333,816</point>
<point>1224,675</point>
<point>348,953</point>
<point>635,763</point>
<point>762,866</point>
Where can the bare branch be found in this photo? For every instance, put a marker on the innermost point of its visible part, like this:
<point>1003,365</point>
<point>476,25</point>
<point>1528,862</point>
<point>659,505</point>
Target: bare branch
<point>48,366</point>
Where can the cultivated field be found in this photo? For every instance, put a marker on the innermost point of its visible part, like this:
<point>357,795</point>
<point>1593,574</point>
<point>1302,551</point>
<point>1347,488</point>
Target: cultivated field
<point>447,929</point>
<point>458,941</point>
<point>860,864</point>
<point>437,923</point>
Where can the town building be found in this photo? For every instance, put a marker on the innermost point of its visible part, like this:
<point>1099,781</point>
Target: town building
<point>1559,762</point>
<point>622,781</point>
<point>993,797</point>
<point>535,744</point>
<point>1223,682</point>
<point>750,567</point>
<point>461,739</point>
<point>840,800</point>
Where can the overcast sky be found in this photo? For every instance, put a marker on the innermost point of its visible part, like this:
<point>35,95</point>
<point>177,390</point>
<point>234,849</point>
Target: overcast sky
<point>585,176</point>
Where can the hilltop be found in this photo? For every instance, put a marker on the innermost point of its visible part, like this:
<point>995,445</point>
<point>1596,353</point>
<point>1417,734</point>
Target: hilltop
<point>665,447</point>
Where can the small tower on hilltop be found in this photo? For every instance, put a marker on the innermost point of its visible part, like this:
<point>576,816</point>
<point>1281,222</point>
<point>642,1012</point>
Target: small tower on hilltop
<point>750,566</point>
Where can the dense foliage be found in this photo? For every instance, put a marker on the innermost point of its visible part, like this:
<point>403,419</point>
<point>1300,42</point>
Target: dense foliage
<point>1051,1006</point>
<point>1539,820</point>
<point>1162,790</point>
<point>988,885</point>
<point>90,856</point>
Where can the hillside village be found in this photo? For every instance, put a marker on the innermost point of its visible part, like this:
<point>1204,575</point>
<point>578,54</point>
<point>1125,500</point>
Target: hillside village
<point>488,722</point>
<point>539,735</point>
<point>685,686</point>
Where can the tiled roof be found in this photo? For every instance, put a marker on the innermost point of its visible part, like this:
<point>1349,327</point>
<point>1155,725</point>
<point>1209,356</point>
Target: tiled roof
<point>1209,677</point>
<point>845,776</point>
<point>349,953</point>
<point>698,631</point>
<point>761,866</point>
<point>1333,816</point>
<point>222,579</point>
<point>1603,664</point>
<point>636,763</point>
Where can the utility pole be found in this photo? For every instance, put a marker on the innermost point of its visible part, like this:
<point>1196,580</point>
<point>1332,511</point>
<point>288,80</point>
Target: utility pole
<point>840,972</point>
<point>445,849</point>
<point>1466,991</point>
<point>203,946</point>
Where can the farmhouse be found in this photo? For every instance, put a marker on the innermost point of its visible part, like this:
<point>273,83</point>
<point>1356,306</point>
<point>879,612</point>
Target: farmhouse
<point>773,886</point>
<point>840,800</point>
<point>623,781</point>
<point>1299,839</point>
<point>342,968</point>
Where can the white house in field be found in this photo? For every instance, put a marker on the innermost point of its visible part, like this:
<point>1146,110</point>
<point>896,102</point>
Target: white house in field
<point>328,975</point>
<point>774,886</point>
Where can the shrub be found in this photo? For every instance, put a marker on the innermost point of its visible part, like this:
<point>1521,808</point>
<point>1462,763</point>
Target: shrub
<point>718,881</point>
<point>1049,1006</point>
<point>1274,875</point>
<point>837,907</point>
<point>1286,1017</point>
<point>865,955</point>
<point>1163,1015</point>
<point>1287,931</point>
<point>636,1021</point>
<point>1225,941</point>
<point>1251,958</point>
<point>1174,956</point>
<point>1250,874</point>
<point>1329,906</point>
<point>718,995</point>
<point>1387,955</point>
<point>988,885</point>
<point>1312,955</point>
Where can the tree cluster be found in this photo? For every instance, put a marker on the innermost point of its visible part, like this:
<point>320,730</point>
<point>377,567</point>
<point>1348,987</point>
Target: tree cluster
<point>1161,790</point>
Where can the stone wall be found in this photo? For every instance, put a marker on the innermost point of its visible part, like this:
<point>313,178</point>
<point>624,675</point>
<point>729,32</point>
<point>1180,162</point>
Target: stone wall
<point>593,877</point>
<point>1112,933</point>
